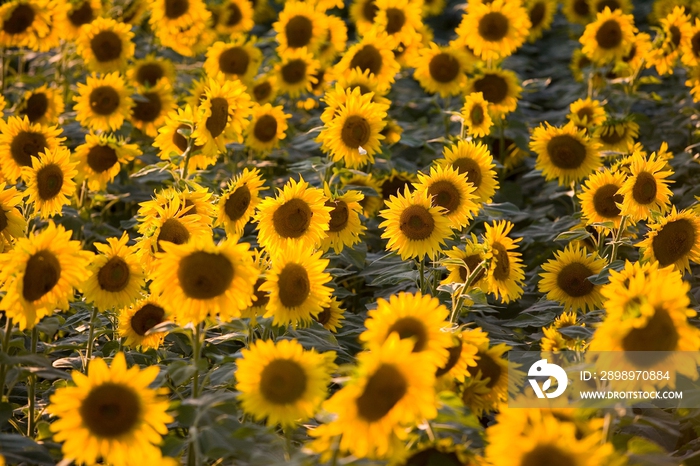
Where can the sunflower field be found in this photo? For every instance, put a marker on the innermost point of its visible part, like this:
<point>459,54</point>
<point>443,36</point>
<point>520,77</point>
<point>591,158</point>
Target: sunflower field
<point>265,232</point>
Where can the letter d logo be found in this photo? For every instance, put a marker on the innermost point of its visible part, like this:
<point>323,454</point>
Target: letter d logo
<point>542,369</point>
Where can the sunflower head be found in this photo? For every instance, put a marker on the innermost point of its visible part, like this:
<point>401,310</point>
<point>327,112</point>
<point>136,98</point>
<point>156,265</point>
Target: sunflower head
<point>609,38</point>
<point>494,29</point>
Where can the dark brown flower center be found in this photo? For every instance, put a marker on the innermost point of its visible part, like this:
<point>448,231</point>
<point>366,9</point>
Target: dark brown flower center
<point>262,91</point>
<point>179,140</point>
<point>581,8</point>
<point>644,189</point>
<point>445,194</point>
<point>146,318</point>
<point>537,13</point>
<point>573,280</point>
<point>471,168</point>
<point>675,36</point>
<point>217,121</point>
<point>367,58</point>
<point>444,68</point>
<point>282,381</point>
<point>149,73</point>
<point>36,107</point>
<point>612,4</point>
<point>410,327</point>
<point>472,261</point>
<point>609,34</point>
<point>659,334</point>
<point>605,201</point>
<point>81,15</point>
<point>395,20</point>
<point>176,8</point>
<point>237,203</point>
<point>611,136</point>
<point>488,367</point>
<point>111,410</point>
<point>205,275</point>
<point>262,297</point>
<point>106,45</point>
<point>454,353</point>
<point>433,457</point>
<point>104,100</point>
<point>674,241</point>
<point>234,61</point>
<point>3,220</point>
<point>339,216</point>
<point>294,285</point>
<point>25,145</point>
<point>173,231</point>
<point>394,185</point>
<point>369,10</point>
<point>149,109</point>
<point>20,19</point>
<point>416,223</point>
<point>298,31</point>
<point>494,87</point>
<point>324,316</point>
<point>49,180</point>
<point>41,275</point>
<point>547,454</point>
<point>566,152</point>
<point>695,44</point>
<point>292,219</point>
<point>355,132</point>
<point>493,26</point>
<point>265,128</point>
<point>477,114</point>
<point>101,158</point>
<point>114,275</point>
<point>294,71</point>
<point>502,270</point>
<point>383,390</point>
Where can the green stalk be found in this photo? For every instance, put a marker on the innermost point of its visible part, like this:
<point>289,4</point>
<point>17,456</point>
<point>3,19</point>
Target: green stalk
<point>422,275</point>
<point>616,239</point>
<point>91,336</point>
<point>187,154</point>
<point>196,352</point>
<point>7,336</point>
<point>466,287</point>
<point>32,388</point>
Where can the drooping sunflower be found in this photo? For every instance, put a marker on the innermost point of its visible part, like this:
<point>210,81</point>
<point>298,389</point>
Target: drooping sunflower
<point>136,320</point>
<point>586,113</point>
<point>282,382</point>
<point>601,196</point>
<point>151,70</point>
<point>296,73</point>
<point>111,414</point>
<point>267,127</point>
<point>374,55</point>
<point>616,135</point>
<point>78,15</point>
<point>463,262</point>
<point>609,38</point>
<point>38,275</point>
<point>353,134</point>
<point>42,105</point>
<point>116,276</point>
<point>101,157</point>
<point>331,315</point>
<point>238,59</point>
<point>400,20</point>
<point>25,23</point>
<point>151,105</point>
<point>237,17</point>
<point>500,88</point>
<point>393,387</point>
<point>239,200</point>
<point>441,70</point>
<point>453,192</point>
<point>103,103</point>
<point>50,181</point>
<point>673,240</point>
<point>21,142</point>
<point>175,137</point>
<point>646,188</point>
<point>344,227</point>
<point>298,215</point>
<point>415,317</point>
<point>505,275</point>
<point>296,284</point>
<point>200,279</point>
<point>565,154</point>
<point>565,279</point>
<point>413,226</point>
<point>475,161</point>
<point>690,48</point>
<point>475,115</point>
<point>495,29</point>
<point>677,30</point>
<point>222,116</point>
<point>300,25</point>
<point>12,223</point>
<point>105,45</point>
<point>541,14</point>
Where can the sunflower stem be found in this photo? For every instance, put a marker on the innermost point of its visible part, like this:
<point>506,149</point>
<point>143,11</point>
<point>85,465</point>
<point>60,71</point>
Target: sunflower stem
<point>32,388</point>
<point>447,117</point>
<point>288,443</point>
<point>5,348</point>
<point>91,337</point>
<point>4,70</point>
<point>187,154</point>
<point>466,287</point>
<point>616,239</point>
<point>196,355</point>
<point>421,267</point>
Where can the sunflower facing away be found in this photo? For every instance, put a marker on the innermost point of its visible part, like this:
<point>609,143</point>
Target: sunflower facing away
<point>441,70</point>
<point>673,240</point>
<point>50,181</point>
<point>239,200</point>
<point>413,226</point>
<point>475,115</point>
<point>609,38</point>
<point>12,221</point>
<point>101,157</point>
<point>282,382</point>
<point>495,29</point>
<point>345,226</point>
<point>646,188</point>
<point>21,142</point>
<point>103,103</point>
<point>42,105</point>
<point>267,127</point>
<point>505,275</point>
<point>105,45</point>
<point>296,284</point>
<point>136,320</point>
<point>474,160</point>
<point>500,88</point>
<point>600,198</point>
<point>38,275</point>
<point>111,414</point>
<point>452,191</point>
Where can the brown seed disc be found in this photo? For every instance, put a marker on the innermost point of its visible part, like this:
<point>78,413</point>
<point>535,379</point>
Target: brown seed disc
<point>394,186</point>
<point>446,195</point>
<point>149,73</point>
<point>114,275</point>
<point>265,128</point>
<point>536,14</point>
<point>217,121</point>
<point>234,61</point>
<point>605,199</point>
<point>41,275</point>
<point>147,111</point>
<point>173,231</point>
<point>110,410</point>
<point>355,132</point>
<point>283,381</point>
<point>609,35</point>
<point>659,334</point>
<point>494,26</point>
<point>410,327</point>
<point>298,31</point>
<point>294,71</point>
<point>324,316</point>
<point>395,20</point>
<point>471,168</point>
<point>566,152</point>
<point>502,270</point>
<point>262,91</point>
<point>234,15</point>
<point>472,262</point>
<point>645,188</point>
<point>339,216</point>
<point>494,87</point>
<point>20,20</point>
<point>106,46</point>
<point>205,275</point>
<point>81,15</point>
<point>104,100</point>
<point>454,353</point>
<point>49,180</point>
<point>674,241</point>
<point>176,8</point>
<point>477,115</point>
<point>547,454</point>
<point>581,7</point>
<point>25,145</point>
<point>383,390</point>
<point>488,367</point>
<point>444,68</point>
<point>292,219</point>
<point>146,318</point>
<point>573,280</point>
<point>101,158</point>
<point>294,285</point>
<point>367,58</point>
<point>263,296</point>
<point>237,203</point>
<point>36,107</point>
<point>369,10</point>
<point>416,223</point>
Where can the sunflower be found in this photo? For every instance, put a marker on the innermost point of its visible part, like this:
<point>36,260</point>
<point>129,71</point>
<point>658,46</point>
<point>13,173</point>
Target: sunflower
<point>646,188</point>
<point>462,262</point>
<point>693,82</point>
<point>38,275</point>
<point>690,48</point>
<point>297,216</point>
<point>101,157</point>
<point>441,70</point>
<point>200,279</point>
<point>677,30</point>
<point>111,414</point>
<point>565,154</point>
<point>103,103</point>
<point>222,116</point>
<point>336,40</point>
<point>586,113</point>
<point>296,72</point>
<point>474,160</point>
<point>371,189</point>
<point>400,20</point>
<point>391,132</point>
<point>331,315</point>
<point>296,284</point>
<point>500,88</point>
<point>508,153</point>
<point>105,45</point>
<point>50,181</point>
<point>412,226</point>
<point>267,128</point>
<point>452,191</point>
<point>541,14</point>
<point>577,11</point>
<point>600,197</point>
<point>395,182</point>
<point>25,23</point>
<point>609,38</point>
<point>598,6</point>
<point>579,64</point>
<point>673,240</point>
<point>21,142</point>
<point>237,17</point>
<point>79,14</point>
<point>565,279</point>
<point>151,105</point>
<point>353,134</point>
<point>140,317</point>
<point>554,340</point>
<point>505,274</point>
<point>239,200</point>
<point>260,298</point>
<point>362,14</point>
<point>282,382</point>
<point>416,317</point>
<point>442,452</point>
<point>264,89</point>
<point>12,223</point>
<point>238,59</point>
<point>193,201</point>
<point>149,71</point>
<point>174,138</point>
<point>616,136</point>
<point>392,387</point>
<point>42,105</point>
<point>475,115</point>
<point>180,24</point>
<point>300,25</point>
<point>344,227</point>
<point>496,29</point>
<point>372,54</point>
<point>632,63</point>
